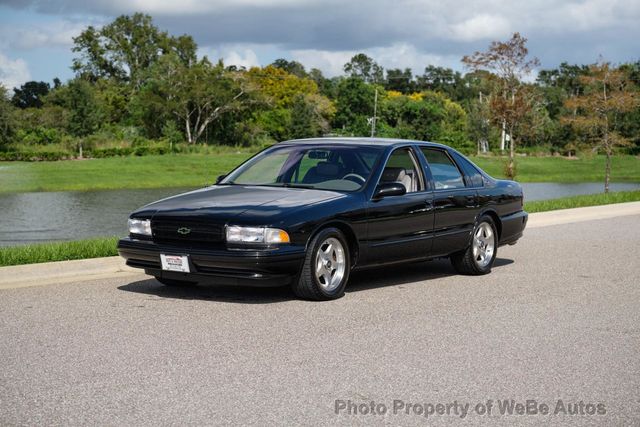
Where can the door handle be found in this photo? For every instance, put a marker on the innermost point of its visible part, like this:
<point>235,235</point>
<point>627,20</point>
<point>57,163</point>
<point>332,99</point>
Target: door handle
<point>429,205</point>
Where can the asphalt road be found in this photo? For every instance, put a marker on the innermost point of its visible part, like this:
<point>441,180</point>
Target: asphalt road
<point>557,319</point>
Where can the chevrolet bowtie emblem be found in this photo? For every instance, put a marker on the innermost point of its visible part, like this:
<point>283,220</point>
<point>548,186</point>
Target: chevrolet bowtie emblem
<point>184,230</point>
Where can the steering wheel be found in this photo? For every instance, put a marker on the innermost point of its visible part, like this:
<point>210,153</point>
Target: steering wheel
<point>356,176</point>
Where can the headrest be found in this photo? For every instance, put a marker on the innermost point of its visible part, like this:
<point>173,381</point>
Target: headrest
<point>390,174</point>
<point>327,169</point>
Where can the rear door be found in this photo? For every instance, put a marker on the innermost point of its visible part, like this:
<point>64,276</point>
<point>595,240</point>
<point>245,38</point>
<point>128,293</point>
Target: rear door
<point>455,203</point>
<point>401,227</point>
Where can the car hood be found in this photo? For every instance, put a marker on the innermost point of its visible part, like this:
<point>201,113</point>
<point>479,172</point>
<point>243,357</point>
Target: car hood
<point>223,203</point>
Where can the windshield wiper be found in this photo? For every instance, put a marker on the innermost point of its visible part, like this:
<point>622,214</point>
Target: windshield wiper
<point>289,185</point>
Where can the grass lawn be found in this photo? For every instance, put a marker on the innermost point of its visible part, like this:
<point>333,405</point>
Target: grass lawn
<point>58,251</point>
<point>180,170</point>
<point>561,169</point>
<point>582,201</point>
<point>192,170</point>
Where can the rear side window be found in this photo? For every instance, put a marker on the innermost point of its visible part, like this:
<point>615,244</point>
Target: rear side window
<point>446,174</point>
<point>473,175</point>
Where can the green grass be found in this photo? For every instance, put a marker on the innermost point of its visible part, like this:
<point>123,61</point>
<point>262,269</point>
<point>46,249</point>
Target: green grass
<point>624,168</point>
<point>180,170</point>
<point>582,201</point>
<point>58,251</point>
<point>193,170</point>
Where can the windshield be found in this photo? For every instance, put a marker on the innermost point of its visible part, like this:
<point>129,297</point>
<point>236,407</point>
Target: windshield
<point>325,167</point>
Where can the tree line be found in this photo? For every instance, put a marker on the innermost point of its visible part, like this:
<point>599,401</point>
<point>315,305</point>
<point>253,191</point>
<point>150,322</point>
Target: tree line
<point>136,84</point>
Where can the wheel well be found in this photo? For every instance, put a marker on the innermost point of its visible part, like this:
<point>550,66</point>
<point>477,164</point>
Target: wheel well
<point>352,240</point>
<point>496,221</point>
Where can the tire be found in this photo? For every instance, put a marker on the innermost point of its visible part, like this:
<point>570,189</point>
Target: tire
<point>326,267</point>
<point>173,283</point>
<point>479,256</point>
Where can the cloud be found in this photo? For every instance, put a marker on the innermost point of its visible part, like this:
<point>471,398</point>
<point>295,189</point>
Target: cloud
<point>481,27</point>
<point>238,55</point>
<point>13,73</point>
<point>326,33</point>
<point>47,35</point>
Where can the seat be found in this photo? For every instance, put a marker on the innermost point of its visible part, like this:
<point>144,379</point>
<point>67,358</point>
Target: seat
<point>323,171</point>
<point>401,175</point>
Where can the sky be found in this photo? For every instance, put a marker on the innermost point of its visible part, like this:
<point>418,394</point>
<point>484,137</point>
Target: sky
<point>36,35</point>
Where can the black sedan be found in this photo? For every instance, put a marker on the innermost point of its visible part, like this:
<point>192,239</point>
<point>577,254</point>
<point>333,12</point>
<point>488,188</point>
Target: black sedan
<point>306,213</point>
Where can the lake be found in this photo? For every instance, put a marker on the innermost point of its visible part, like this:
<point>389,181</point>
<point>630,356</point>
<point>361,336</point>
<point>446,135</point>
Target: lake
<point>72,215</point>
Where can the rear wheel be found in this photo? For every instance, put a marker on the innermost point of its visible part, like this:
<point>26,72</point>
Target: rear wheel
<point>478,258</point>
<point>326,267</point>
<point>173,283</point>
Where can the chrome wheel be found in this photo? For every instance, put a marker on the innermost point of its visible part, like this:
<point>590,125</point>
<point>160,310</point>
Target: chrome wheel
<point>330,264</point>
<point>484,244</point>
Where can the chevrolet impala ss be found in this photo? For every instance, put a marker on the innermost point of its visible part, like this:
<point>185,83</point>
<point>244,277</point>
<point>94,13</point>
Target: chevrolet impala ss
<point>307,213</point>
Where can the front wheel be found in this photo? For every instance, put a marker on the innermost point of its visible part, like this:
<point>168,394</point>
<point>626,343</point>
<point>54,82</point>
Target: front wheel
<point>478,258</point>
<point>326,267</point>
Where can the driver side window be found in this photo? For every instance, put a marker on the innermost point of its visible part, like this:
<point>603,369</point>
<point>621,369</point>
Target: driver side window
<point>402,167</point>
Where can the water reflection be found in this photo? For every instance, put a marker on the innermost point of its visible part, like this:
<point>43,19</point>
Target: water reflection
<point>70,215</point>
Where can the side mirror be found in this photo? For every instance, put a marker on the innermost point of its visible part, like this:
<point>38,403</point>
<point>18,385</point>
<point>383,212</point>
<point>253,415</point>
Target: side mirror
<point>389,189</point>
<point>220,178</point>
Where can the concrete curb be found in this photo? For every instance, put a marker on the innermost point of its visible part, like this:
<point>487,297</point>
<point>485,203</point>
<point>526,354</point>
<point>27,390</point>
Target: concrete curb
<point>49,273</point>
<point>591,213</point>
<point>99,268</point>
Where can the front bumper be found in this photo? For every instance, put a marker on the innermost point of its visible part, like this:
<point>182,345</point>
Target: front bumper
<point>250,267</point>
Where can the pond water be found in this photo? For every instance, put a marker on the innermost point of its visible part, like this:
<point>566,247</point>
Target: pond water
<point>72,215</point>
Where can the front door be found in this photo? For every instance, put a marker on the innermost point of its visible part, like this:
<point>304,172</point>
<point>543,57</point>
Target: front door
<point>401,227</point>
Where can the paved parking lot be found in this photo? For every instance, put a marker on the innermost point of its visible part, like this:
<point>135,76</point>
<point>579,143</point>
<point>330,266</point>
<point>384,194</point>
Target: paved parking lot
<point>557,319</point>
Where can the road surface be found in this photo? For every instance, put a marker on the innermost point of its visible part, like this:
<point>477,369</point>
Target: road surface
<point>556,322</point>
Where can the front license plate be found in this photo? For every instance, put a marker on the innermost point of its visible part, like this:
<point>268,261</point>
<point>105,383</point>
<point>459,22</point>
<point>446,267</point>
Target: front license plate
<point>175,263</point>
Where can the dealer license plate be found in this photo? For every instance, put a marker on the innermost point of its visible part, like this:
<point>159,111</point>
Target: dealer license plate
<point>175,263</point>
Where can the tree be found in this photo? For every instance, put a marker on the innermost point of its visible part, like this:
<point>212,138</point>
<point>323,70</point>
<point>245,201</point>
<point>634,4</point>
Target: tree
<point>511,102</point>
<point>365,68</point>
<point>30,94</point>
<point>607,95</point>
<point>81,101</point>
<point>291,67</point>
<point>293,107</point>
<point>280,86</point>
<point>125,48</point>
<point>6,118</point>
<point>427,116</point>
<point>354,106</point>
<point>196,95</point>
<point>400,80</point>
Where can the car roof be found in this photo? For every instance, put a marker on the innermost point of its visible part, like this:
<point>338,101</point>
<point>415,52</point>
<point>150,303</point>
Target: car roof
<point>385,142</point>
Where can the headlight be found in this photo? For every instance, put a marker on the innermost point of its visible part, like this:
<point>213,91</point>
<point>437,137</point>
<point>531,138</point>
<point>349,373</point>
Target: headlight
<point>237,234</point>
<point>140,226</point>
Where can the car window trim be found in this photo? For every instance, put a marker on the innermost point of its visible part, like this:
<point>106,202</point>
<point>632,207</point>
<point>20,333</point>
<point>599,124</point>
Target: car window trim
<point>470,165</point>
<point>446,152</point>
<point>417,164</point>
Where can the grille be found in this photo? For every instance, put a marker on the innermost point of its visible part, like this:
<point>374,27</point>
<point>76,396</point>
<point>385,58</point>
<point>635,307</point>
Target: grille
<point>174,231</point>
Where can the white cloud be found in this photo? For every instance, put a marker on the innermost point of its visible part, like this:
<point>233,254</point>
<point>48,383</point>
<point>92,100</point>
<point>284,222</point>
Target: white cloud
<point>329,62</point>
<point>400,55</point>
<point>189,7</point>
<point>481,27</point>
<point>13,72</point>
<point>236,54</point>
<point>48,35</point>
